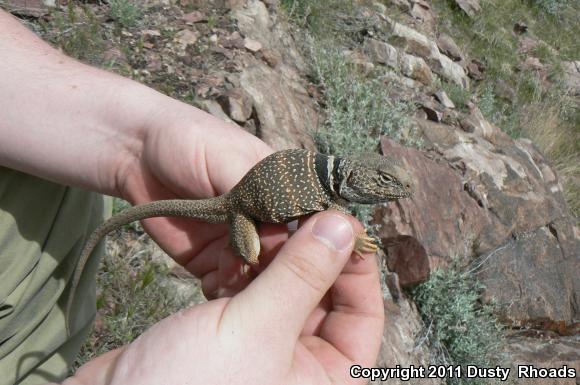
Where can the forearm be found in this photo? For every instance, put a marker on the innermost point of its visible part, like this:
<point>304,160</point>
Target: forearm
<point>66,121</point>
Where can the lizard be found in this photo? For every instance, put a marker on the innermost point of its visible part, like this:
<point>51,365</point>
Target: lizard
<point>282,187</point>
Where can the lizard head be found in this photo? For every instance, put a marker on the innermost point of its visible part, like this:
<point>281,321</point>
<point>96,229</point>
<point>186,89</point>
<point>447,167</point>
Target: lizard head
<point>373,178</point>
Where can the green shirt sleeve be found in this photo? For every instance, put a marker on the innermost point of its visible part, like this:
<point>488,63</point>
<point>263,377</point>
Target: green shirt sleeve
<point>43,227</point>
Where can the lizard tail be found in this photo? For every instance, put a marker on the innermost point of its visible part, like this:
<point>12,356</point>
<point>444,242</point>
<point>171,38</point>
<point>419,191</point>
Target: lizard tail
<point>212,210</point>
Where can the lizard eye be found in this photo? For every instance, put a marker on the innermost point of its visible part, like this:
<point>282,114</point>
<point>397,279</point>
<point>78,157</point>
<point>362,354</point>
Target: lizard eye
<point>386,179</point>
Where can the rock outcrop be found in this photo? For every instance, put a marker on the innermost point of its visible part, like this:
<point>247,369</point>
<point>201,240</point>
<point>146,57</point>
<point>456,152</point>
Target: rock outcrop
<point>497,201</point>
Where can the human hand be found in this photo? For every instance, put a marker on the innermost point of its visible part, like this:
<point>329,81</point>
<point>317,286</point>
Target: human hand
<point>189,154</point>
<point>286,327</point>
<point>99,131</point>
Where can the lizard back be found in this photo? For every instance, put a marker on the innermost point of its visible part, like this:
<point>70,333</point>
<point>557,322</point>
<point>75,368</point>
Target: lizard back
<point>283,187</point>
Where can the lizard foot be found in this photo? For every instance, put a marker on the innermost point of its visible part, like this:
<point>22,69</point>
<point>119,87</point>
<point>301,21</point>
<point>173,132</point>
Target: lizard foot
<point>364,244</point>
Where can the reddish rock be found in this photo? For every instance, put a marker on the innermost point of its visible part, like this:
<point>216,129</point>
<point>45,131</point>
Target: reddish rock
<point>194,17</point>
<point>361,61</point>
<point>270,57</point>
<point>504,90</point>
<point>407,257</point>
<point>488,201</point>
<point>114,55</point>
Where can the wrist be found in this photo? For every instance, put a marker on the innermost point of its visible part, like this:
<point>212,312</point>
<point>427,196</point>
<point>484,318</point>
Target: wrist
<point>62,120</point>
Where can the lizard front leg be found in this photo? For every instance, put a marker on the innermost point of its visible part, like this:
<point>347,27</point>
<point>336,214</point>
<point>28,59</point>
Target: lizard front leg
<point>244,238</point>
<point>363,243</point>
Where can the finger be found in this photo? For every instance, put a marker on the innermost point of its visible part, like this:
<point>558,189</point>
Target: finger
<point>355,324</point>
<point>182,238</point>
<point>300,275</point>
<point>210,285</point>
<point>226,281</point>
<point>224,273</point>
<point>207,259</point>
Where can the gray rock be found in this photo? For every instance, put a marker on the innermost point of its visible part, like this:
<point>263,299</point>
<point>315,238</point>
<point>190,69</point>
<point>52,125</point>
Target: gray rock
<point>255,22</point>
<point>470,7</point>
<point>447,46</point>
<point>252,45</point>
<point>403,5</point>
<point>415,43</point>
<point>283,107</point>
<point>359,60</point>
<point>572,76</point>
<point>382,52</point>
<point>482,127</point>
<point>467,124</point>
<point>237,104</point>
<point>531,63</point>
<point>442,97</point>
<point>215,109</point>
<point>446,68</point>
<point>415,68</point>
<point>421,11</point>
<point>432,111</point>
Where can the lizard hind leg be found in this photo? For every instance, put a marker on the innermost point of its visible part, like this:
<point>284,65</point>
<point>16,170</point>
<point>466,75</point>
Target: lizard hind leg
<point>244,238</point>
<point>364,244</point>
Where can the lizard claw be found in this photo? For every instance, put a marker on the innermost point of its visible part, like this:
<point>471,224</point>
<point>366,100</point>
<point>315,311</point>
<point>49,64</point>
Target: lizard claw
<point>364,244</point>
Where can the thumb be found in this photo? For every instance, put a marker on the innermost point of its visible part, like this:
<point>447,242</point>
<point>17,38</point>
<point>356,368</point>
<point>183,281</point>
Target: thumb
<point>286,293</point>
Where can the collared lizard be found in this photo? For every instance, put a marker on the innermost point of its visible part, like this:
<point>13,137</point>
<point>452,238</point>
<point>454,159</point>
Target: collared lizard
<point>282,187</point>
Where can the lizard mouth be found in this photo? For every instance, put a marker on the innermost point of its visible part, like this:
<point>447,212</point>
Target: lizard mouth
<point>399,195</point>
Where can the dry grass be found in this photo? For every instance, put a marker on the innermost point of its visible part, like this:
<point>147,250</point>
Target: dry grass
<point>544,112</point>
<point>560,141</point>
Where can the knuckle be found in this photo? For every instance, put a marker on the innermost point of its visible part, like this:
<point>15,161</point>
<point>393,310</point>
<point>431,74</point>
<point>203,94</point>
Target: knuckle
<point>306,270</point>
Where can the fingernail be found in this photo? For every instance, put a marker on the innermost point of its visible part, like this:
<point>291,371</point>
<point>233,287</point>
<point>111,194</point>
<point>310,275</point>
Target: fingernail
<point>334,231</point>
